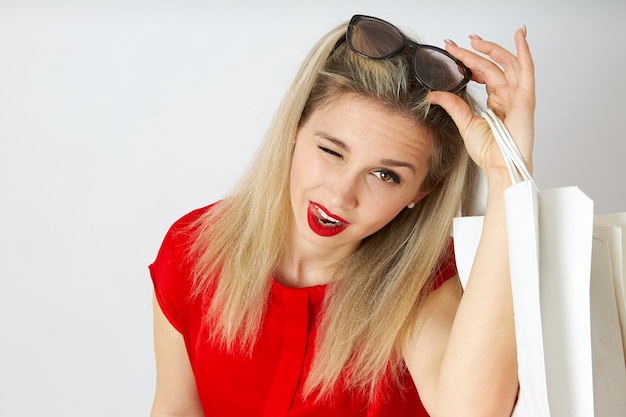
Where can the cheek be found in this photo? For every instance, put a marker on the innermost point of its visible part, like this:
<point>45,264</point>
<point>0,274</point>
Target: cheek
<point>381,213</point>
<point>303,171</point>
<point>307,168</point>
<point>297,160</point>
<point>383,208</point>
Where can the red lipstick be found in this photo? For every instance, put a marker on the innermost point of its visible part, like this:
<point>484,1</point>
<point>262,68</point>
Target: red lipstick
<point>324,223</point>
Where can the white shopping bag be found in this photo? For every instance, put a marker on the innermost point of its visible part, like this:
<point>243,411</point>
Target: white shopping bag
<point>611,229</point>
<point>564,369</point>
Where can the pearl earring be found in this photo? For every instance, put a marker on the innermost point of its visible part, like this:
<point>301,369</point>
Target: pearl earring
<point>411,205</point>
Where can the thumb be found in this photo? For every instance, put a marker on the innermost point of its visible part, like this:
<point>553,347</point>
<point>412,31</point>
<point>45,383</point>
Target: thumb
<point>457,108</point>
<point>474,130</point>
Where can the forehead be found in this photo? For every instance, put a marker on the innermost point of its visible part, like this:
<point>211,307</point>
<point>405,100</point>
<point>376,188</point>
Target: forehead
<point>365,122</point>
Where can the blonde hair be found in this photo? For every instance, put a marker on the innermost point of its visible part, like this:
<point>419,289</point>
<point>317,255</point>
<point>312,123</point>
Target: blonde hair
<point>376,294</point>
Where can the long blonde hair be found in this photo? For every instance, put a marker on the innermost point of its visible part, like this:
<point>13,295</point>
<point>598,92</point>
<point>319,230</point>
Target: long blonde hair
<point>376,294</point>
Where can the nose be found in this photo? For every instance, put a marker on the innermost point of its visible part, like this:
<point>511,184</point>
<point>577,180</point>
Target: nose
<point>342,191</point>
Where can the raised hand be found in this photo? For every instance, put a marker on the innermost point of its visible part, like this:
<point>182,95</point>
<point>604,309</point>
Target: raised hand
<point>510,85</point>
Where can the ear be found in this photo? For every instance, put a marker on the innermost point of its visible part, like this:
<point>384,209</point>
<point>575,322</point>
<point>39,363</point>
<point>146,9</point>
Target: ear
<point>421,194</point>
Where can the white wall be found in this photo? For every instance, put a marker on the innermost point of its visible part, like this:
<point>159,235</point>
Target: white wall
<point>118,117</point>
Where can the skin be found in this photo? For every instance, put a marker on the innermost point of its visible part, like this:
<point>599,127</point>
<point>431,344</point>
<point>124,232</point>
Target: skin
<point>176,394</point>
<point>363,164</point>
<point>463,345</point>
<point>472,338</point>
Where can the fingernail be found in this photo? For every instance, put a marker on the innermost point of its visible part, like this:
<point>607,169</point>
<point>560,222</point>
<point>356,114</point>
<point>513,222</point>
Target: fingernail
<point>473,36</point>
<point>524,30</point>
<point>449,41</point>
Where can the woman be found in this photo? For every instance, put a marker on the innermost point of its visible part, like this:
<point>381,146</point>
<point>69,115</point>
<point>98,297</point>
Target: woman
<point>325,283</point>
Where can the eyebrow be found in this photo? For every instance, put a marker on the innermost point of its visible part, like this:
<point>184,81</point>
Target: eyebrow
<point>394,163</point>
<point>333,139</point>
<point>384,161</point>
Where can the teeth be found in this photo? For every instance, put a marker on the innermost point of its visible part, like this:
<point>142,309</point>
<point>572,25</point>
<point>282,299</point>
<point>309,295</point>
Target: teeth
<point>326,217</point>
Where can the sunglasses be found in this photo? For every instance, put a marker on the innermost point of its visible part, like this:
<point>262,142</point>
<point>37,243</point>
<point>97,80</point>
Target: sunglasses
<point>434,67</point>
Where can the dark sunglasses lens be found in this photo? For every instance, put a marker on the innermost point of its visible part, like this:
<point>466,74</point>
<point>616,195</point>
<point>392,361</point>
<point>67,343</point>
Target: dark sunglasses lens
<point>375,39</point>
<point>437,70</point>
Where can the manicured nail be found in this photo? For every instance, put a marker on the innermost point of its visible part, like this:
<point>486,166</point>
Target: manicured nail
<point>473,36</point>
<point>449,41</point>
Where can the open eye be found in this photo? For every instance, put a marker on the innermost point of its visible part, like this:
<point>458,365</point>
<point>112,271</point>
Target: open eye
<point>387,176</point>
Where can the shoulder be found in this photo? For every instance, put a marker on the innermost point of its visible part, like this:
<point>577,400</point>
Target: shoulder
<point>172,270</point>
<point>173,255</point>
<point>190,221</point>
<point>183,231</point>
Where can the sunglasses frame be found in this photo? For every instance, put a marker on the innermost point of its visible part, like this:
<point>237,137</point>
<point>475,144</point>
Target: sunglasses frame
<point>406,42</point>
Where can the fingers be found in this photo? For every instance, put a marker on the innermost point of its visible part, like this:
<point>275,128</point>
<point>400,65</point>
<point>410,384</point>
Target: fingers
<point>503,67</point>
<point>525,58</point>
<point>473,129</point>
<point>484,71</point>
<point>509,81</point>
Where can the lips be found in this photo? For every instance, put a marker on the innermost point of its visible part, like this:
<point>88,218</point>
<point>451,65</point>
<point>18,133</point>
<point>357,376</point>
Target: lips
<point>323,223</point>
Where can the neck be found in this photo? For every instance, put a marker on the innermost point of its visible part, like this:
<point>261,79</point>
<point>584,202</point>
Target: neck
<point>304,264</point>
<point>296,269</point>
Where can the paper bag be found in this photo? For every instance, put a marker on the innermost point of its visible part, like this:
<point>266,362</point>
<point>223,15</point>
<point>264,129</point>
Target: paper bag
<point>611,229</point>
<point>570,352</point>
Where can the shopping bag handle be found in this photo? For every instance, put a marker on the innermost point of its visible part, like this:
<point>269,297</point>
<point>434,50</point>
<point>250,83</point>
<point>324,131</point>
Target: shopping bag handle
<point>511,153</point>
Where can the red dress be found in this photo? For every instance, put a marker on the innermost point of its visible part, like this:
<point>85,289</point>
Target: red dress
<point>268,383</point>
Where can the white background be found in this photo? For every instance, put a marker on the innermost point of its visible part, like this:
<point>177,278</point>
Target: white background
<point>117,117</point>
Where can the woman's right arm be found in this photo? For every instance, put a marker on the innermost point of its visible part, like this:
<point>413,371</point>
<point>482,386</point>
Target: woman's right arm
<point>176,393</point>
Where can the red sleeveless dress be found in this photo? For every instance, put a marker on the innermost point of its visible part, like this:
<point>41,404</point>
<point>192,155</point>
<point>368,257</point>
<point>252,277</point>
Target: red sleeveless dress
<point>269,383</point>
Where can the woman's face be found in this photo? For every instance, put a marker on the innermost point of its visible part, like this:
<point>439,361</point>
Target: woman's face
<point>355,167</point>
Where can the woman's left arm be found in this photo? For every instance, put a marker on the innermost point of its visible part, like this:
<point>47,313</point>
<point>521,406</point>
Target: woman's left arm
<point>463,355</point>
